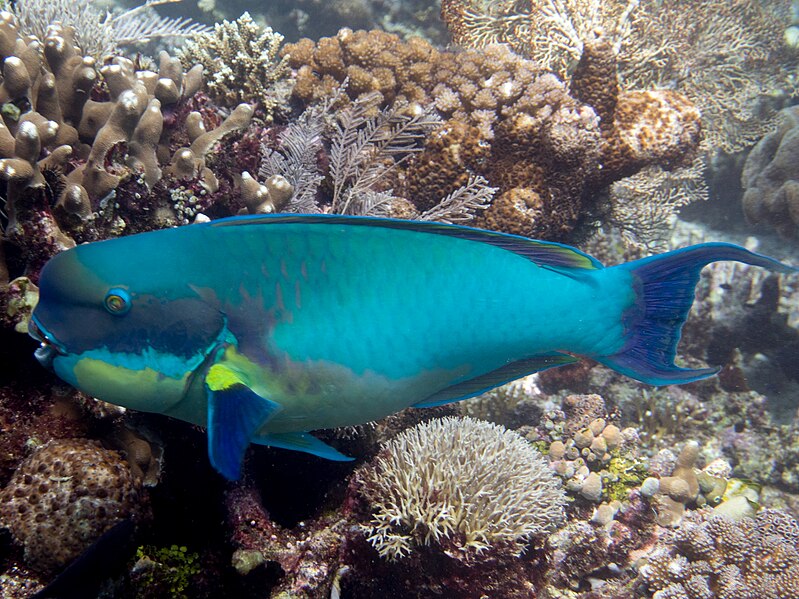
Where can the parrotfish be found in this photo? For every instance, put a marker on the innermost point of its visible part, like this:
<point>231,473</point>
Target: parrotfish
<point>264,328</point>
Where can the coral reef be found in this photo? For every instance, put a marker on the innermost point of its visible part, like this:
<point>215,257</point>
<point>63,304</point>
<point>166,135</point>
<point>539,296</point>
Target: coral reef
<point>635,492</point>
<point>63,497</point>
<point>464,485</point>
<point>95,152</point>
<point>546,149</point>
<point>771,186</point>
<point>713,557</point>
<point>240,64</point>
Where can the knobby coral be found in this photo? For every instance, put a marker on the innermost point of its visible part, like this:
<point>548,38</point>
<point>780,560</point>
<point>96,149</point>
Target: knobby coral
<point>712,557</point>
<point>546,146</point>
<point>462,484</point>
<point>63,497</point>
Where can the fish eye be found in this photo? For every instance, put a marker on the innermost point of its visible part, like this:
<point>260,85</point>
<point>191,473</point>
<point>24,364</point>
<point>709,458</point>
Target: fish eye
<point>117,301</point>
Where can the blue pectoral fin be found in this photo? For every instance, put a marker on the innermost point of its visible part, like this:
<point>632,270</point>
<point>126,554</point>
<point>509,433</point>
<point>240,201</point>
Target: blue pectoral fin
<point>495,378</point>
<point>664,287</point>
<point>235,413</point>
<point>304,442</point>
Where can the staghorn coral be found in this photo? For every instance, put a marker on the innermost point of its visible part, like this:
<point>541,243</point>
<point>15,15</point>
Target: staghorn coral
<point>712,557</point>
<point>240,60</point>
<point>771,186</point>
<point>464,485</point>
<point>63,497</point>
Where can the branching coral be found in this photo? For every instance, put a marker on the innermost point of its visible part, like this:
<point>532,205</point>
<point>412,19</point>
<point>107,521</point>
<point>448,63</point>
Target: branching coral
<point>100,35</point>
<point>241,64</point>
<point>463,485</point>
<point>83,151</point>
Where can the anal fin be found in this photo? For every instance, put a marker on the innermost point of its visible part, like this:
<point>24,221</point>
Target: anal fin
<point>235,413</point>
<point>304,442</point>
<point>495,378</point>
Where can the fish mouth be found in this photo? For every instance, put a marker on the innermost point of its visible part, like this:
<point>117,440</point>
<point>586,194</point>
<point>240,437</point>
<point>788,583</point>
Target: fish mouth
<point>49,348</point>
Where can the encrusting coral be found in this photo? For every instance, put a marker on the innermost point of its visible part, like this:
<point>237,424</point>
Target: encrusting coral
<point>462,484</point>
<point>63,497</point>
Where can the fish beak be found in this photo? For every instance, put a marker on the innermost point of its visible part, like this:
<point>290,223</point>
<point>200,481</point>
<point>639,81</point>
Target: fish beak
<point>49,347</point>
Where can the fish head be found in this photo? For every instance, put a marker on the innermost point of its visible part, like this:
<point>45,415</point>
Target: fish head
<point>120,321</point>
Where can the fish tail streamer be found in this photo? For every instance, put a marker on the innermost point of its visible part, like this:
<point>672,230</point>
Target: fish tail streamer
<point>665,287</point>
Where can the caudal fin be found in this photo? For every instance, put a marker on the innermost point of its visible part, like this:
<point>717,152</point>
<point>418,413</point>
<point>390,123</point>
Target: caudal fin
<point>664,286</point>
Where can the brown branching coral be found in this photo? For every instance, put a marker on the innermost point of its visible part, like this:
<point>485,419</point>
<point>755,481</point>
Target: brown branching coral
<point>84,150</point>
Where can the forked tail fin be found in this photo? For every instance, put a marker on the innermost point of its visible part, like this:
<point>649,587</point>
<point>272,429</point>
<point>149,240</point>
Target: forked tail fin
<point>664,287</point>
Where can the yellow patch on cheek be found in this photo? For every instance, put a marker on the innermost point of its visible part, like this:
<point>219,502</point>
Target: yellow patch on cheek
<point>146,389</point>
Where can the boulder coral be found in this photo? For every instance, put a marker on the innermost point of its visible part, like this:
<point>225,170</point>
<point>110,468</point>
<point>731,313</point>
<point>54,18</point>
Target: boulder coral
<point>770,180</point>
<point>63,497</point>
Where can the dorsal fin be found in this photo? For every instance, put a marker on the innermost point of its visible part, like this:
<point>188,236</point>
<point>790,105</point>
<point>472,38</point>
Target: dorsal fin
<point>555,256</point>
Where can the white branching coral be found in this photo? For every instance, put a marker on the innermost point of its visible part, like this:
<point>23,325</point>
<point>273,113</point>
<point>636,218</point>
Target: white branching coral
<point>100,34</point>
<point>462,484</point>
<point>240,61</point>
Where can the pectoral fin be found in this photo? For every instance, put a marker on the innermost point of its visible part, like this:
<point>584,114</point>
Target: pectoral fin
<point>302,442</point>
<point>235,413</point>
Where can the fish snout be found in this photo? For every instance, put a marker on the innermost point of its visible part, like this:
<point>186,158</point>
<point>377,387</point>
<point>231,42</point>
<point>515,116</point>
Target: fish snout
<point>48,348</point>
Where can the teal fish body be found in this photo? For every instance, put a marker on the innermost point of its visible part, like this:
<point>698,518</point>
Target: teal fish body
<point>265,328</point>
